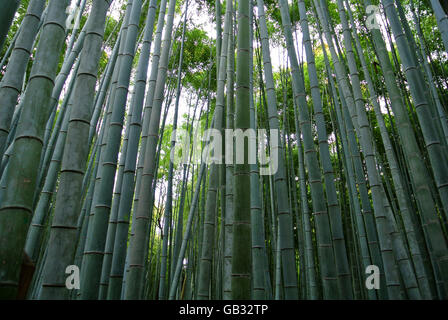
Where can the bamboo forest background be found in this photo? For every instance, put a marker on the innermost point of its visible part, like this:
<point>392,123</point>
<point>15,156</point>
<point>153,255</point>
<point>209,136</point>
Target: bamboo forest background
<point>89,99</point>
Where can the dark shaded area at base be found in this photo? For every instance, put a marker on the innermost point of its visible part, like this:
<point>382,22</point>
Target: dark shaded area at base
<point>380,310</point>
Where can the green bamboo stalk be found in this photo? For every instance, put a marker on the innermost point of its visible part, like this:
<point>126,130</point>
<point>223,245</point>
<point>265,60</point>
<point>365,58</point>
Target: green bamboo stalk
<point>11,85</point>
<point>95,245</point>
<point>343,271</point>
<point>229,194</point>
<point>418,171</point>
<point>285,218</point>
<point>185,177</point>
<point>16,204</point>
<point>138,243</point>
<point>257,235</point>
<point>85,212</point>
<point>181,206</point>
<point>218,34</point>
<point>430,77</point>
<point>144,137</point>
<point>104,88</point>
<point>118,259</point>
<point>206,253</point>
<point>169,199</point>
<point>241,255</point>
<point>81,7</point>
<point>326,251</point>
<point>33,242</point>
<point>442,21</point>
<point>437,154</point>
<point>112,224</point>
<point>62,242</point>
<point>402,258</point>
<point>351,178</point>
<point>59,85</point>
<point>403,197</point>
<point>9,50</point>
<point>6,18</point>
<point>357,113</point>
<point>186,238</point>
<point>133,121</point>
<point>295,201</point>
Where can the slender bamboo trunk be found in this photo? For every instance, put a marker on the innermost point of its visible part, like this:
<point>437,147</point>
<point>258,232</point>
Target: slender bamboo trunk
<point>343,271</point>
<point>169,200</point>
<point>95,245</point>
<point>120,246</point>
<point>285,218</point>
<point>418,171</point>
<point>258,237</point>
<point>437,154</point>
<point>229,194</point>
<point>138,244</point>
<point>323,232</point>
<point>241,255</point>
<point>59,85</point>
<point>6,18</point>
<point>403,197</point>
<point>359,118</point>
<point>442,20</point>
<point>33,243</point>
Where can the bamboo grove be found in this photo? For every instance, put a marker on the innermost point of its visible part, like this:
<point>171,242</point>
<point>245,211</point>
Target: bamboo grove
<point>352,96</point>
